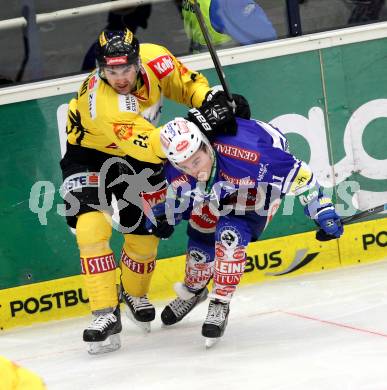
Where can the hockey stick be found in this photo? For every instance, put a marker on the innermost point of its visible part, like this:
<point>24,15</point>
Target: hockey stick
<point>214,56</point>
<point>320,234</point>
<point>365,213</point>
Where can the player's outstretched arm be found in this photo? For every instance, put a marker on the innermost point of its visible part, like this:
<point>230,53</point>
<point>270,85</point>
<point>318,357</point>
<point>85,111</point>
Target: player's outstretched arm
<point>322,211</point>
<point>317,206</point>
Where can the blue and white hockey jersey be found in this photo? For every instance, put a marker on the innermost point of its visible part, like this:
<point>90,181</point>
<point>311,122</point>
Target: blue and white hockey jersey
<point>256,162</point>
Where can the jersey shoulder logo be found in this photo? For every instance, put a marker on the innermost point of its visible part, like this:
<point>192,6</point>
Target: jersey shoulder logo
<point>162,66</point>
<point>92,82</point>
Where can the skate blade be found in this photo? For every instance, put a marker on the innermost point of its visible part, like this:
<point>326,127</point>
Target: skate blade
<point>144,326</point>
<point>211,341</point>
<point>111,344</point>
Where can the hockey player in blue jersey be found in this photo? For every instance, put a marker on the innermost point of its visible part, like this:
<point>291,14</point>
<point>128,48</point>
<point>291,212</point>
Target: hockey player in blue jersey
<point>229,190</point>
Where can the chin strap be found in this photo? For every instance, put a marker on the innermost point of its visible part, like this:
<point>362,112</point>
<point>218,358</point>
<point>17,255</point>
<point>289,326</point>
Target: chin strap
<point>210,181</point>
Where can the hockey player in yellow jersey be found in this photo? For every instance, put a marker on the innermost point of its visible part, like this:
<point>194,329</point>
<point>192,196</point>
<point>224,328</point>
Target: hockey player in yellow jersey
<point>114,115</point>
<point>119,101</point>
<point>14,377</point>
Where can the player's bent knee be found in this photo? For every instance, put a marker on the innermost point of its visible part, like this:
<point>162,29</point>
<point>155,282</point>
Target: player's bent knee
<point>93,227</point>
<point>93,231</point>
<point>141,247</point>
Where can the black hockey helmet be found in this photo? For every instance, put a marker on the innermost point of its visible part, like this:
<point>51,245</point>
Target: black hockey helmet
<point>119,47</point>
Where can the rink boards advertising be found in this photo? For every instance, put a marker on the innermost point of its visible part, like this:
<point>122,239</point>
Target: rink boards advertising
<point>326,91</point>
<point>267,260</point>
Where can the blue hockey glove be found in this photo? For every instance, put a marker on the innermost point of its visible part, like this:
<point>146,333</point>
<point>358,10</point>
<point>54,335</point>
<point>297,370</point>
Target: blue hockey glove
<point>322,211</point>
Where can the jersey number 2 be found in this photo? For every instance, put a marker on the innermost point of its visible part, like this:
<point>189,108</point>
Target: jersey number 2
<point>139,142</point>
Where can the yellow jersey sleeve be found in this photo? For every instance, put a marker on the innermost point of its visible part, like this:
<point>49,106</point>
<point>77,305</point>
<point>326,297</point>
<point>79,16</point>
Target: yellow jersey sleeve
<point>177,82</point>
<point>14,377</point>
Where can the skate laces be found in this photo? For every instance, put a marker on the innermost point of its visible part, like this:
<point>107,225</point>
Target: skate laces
<point>102,321</point>
<point>217,313</point>
<point>180,306</point>
<point>139,303</point>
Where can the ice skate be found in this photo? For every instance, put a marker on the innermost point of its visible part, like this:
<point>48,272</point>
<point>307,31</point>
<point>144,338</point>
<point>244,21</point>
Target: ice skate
<point>140,311</point>
<point>216,322</point>
<point>103,334</point>
<point>176,310</point>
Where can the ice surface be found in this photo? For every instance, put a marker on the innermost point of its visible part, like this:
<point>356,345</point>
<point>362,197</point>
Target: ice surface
<point>322,331</point>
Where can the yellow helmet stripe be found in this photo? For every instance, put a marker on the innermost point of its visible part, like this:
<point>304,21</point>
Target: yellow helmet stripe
<point>128,38</point>
<point>102,39</point>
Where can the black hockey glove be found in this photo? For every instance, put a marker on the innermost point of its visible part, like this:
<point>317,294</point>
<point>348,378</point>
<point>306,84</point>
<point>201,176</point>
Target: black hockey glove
<point>216,94</point>
<point>162,229</point>
<point>242,106</point>
<point>321,235</point>
<point>242,109</point>
<point>212,119</point>
<point>156,221</point>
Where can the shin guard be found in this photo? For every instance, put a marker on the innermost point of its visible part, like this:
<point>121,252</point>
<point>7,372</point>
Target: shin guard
<point>199,265</point>
<point>97,260</point>
<point>230,259</point>
<point>138,263</point>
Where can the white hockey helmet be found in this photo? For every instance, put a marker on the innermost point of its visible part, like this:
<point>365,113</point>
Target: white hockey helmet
<point>180,139</point>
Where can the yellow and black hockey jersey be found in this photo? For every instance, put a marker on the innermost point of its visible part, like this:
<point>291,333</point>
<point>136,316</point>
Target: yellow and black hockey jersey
<point>14,377</point>
<point>104,120</point>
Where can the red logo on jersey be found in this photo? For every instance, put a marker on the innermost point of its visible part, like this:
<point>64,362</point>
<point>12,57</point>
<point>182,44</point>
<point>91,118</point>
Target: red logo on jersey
<point>92,82</point>
<point>203,217</point>
<point>162,66</point>
<point>179,181</point>
<point>93,178</point>
<point>236,180</point>
<point>183,70</point>
<point>154,198</point>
